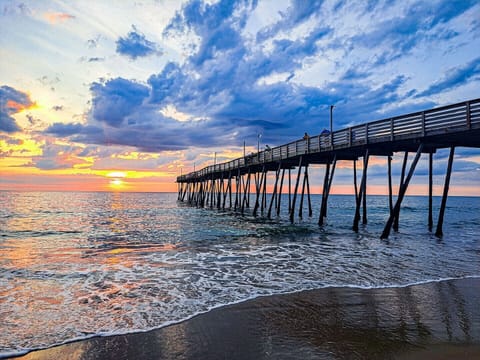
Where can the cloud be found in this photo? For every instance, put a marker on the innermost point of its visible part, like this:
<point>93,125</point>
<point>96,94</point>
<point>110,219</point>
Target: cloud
<point>116,99</point>
<point>13,8</point>
<point>93,43</point>
<point>135,45</point>
<point>454,78</point>
<point>91,59</point>
<point>11,141</point>
<point>299,12</point>
<point>64,130</point>
<point>96,59</point>
<point>55,18</point>
<point>11,102</point>
<point>55,156</point>
<point>232,86</point>
<point>416,24</point>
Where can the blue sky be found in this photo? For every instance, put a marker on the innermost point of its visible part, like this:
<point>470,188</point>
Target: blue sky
<point>156,86</point>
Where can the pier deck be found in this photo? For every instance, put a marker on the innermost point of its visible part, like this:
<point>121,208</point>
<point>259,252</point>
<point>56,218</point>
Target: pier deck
<point>456,125</point>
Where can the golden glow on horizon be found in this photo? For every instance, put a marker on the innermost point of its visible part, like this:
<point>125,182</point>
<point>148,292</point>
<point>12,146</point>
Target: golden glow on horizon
<point>30,160</point>
<point>117,174</point>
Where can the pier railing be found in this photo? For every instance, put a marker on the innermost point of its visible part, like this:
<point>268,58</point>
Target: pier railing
<point>443,120</point>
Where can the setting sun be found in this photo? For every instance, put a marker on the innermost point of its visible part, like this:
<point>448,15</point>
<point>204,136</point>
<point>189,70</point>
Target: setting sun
<point>117,174</point>
<point>116,182</point>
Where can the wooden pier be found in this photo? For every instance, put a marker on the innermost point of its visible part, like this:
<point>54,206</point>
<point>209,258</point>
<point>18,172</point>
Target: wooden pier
<point>229,184</point>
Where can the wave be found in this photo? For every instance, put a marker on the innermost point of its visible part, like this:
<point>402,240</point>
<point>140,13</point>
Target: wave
<point>15,353</point>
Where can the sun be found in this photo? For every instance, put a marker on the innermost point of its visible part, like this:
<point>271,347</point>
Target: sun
<point>117,174</point>
<point>117,182</point>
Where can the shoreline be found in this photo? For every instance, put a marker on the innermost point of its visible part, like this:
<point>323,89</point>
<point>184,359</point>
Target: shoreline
<point>427,320</point>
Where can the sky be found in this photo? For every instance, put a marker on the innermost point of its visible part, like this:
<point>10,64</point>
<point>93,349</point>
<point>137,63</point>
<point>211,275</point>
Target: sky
<point>127,95</point>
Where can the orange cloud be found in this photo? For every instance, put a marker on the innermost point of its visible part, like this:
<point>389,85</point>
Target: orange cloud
<point>15,107</point>
<point>55,18</point>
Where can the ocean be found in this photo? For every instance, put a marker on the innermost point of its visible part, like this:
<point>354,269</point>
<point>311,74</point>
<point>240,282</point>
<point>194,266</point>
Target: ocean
<point>77,265</point>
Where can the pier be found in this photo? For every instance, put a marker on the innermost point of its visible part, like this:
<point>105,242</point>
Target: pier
<point>232,184</point>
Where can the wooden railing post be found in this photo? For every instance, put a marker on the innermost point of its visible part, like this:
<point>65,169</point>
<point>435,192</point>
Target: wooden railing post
<point>423,123</point>
<point>392,128</point>
<point>469,119</point>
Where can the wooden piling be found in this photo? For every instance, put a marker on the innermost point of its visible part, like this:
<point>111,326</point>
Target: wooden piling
<point>364,213</point>
<point>289,192</point>
<point>330,180</point>
<point>402,179</point>
<point>355,180</point>
<point>327,184</point>
<point>258,188</point>
<point>360,193</point>
<point>274,193</point>
<point>280,192</point>
<point>300,208</point>
<point>390,192</point>
<point>292,211</point>
<point>401,194</point>
<point>439,231</point>
<point>324,194</point>
<point>246,186</point>
<point>264,192</point>
<point>308,194</point>
<point>430,191</point>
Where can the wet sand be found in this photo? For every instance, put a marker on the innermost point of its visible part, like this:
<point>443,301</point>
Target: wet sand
<point>439,320</point>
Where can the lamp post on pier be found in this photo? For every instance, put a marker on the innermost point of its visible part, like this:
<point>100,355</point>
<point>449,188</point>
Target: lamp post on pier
<point>331,124</point>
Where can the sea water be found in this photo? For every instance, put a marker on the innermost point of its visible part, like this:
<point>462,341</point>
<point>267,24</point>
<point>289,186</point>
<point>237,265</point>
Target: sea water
<point>76,265</point>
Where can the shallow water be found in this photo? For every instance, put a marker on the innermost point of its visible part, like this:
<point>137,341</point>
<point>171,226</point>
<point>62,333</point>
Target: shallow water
<point>77,264</point>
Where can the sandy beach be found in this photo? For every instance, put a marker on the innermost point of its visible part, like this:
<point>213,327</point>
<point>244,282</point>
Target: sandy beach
<point>438,320</point>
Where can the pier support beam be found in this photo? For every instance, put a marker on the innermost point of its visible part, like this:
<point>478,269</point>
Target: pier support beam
<point>326,190</point>
<point>439,231</point>
<point>261,178</point>
<point>401,194</point>
<point>289,191</point>
<point>402,179</point>
<point>364,215</point>
<point>361,191</point>
<point>280,192</point>
<point>264,192</point>
<point>390,198</point>
<point>308,195</point>
<point>305,177</point>
<point>430,191</point>
<point>292,209</point>
<point>238,186</point>
<point>274,194</point>
<point>246,191</point>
